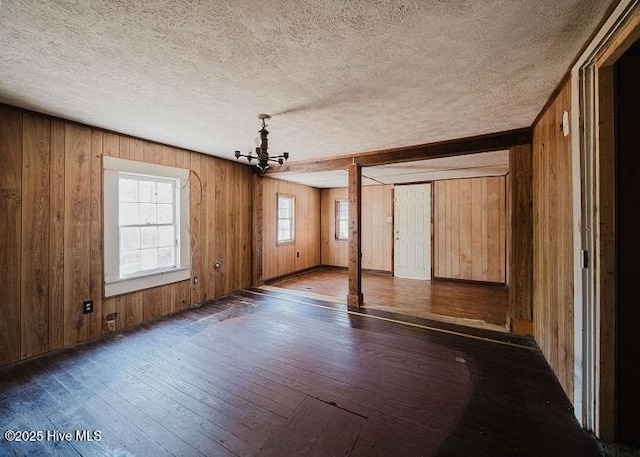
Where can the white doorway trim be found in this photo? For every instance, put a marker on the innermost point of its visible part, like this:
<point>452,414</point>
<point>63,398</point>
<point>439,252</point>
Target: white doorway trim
<point>585,219</point>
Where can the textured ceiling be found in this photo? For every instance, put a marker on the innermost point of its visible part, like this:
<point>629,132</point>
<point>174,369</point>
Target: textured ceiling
<point>339,76</point>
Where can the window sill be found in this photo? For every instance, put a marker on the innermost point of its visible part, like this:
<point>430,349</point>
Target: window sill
<point>285,243</point>
<point>123,286</point>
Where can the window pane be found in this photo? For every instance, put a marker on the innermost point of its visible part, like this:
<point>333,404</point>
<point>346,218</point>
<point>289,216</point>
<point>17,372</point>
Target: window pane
<point>129,238</point>
<point>284,202</point>
<point>166,236</point>
<point>164,192</point>
<point>149,237</point>
<point>165,257</point>
<point>284,213</point>
<point>149,259</point>
<point>147,213</point>
<point>344,210</point>
<point>128,190</point>
<point>284,224</point>
<point>165,214</point>
<point>284,235</point>
<point>147,191</point>
<point>129,263</point>
<point>343,232</point>
<point>129,214</point>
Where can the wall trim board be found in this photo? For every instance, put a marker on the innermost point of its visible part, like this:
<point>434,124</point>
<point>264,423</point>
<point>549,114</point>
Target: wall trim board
<point>498,285</point>
<point>291,275</point>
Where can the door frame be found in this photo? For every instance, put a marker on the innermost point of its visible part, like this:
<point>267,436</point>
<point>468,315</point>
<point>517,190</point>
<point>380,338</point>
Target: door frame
<point>593,152</point>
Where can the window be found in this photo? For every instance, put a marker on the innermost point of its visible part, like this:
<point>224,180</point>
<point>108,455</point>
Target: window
<point>146,212</point>
<point>342,219</point>
<point>286,221</point>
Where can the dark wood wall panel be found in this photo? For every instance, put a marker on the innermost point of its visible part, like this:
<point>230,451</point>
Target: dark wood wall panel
<point>469,218</point>
<point>377,229</point>
<point>553,241</point>
<point>56,236</point>
<point>10,232</point>
<point>36,145</point>
<point>51,229</point>
<point>279,260</point>
<point>77,247</point>
<point>520,256</point>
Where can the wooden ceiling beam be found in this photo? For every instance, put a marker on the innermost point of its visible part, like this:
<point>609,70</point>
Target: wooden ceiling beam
<point>449,148</point>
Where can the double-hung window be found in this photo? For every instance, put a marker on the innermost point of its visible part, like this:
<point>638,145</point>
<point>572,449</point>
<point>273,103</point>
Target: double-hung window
<point>146,209</point>
<point>342,219</point>
<point>286,219</point>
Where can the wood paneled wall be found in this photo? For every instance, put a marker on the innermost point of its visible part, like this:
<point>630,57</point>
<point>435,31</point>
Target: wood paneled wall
<point>51,232</point>
<point>377,228</point>
<point>469,217</point>
<point>520,234</point>
<point>553,240</point>
<point>305,251</point>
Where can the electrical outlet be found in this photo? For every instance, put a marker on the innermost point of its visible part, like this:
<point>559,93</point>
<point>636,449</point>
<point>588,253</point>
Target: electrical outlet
<point>87,306</point>
<point>297,254</point>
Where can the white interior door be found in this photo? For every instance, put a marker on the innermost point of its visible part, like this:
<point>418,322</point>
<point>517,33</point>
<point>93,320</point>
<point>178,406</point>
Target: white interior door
<point>412,231</point>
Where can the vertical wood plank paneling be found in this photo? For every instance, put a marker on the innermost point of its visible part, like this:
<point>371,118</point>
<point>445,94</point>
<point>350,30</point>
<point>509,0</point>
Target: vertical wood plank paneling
<point>334,252</point>
<point>484,229</point>
<point>553,241</point>
<point>209,230</point>
<point>495,237</point>
<point>36,145</point>
<point>278,260</point>
<point>465,204</point>
<point>470,236</point>
<point>455,229</point>
<point>77,232</point>
<point>131,307</point>
<point>10,232</point>
<point>477,240</point>
<point>111,146</point>
<point>197,242</point>
<point>61,220</point>
<point>56,236</point>
<point>257,241</point>
<point>97,264</point>
<point>367,233</point>
<point>220,226</point>
<point>440,189</point>
<point>520,231</point>
<point>448,249</point>
<point>377,231</point>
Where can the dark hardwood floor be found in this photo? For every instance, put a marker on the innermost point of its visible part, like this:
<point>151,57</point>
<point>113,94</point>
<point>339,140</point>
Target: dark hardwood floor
<point>475,303</point>
<point>257,374</point>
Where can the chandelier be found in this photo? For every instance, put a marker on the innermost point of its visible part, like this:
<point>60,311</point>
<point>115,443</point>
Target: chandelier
<point>262,154</point>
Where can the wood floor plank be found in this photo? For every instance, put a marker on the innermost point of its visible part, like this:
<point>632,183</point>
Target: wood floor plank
<point>463,300</point>
<point>264,375</point>
<point>317,429</point>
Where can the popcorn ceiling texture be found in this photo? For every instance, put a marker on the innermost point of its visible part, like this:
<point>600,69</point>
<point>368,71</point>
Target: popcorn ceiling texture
<point>339,76</point>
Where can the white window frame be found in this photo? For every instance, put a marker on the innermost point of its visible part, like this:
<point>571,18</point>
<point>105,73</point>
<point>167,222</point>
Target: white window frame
<point>339,202</point>
<point>292,238</point>
<point>114,284</point>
